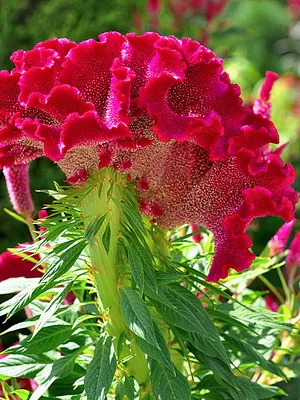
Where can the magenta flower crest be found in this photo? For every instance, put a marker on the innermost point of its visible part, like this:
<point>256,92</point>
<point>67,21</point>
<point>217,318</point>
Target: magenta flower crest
<point>161,109</point>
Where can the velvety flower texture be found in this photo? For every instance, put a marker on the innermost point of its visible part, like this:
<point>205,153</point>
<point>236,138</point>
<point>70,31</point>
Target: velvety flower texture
<point>162,109</point>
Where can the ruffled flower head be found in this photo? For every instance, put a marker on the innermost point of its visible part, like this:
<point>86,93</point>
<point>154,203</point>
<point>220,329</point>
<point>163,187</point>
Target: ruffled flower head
<point>161,109</point>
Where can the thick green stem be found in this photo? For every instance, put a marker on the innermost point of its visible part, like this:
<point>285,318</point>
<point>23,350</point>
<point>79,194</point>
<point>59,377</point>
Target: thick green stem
<point>104,199</point>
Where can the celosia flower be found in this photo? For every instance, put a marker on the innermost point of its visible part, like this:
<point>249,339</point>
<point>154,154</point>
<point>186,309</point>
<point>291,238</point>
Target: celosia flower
<point>14,266</point>
<point>293,258</point>
<point>262,105</point>
<point>279,240</point>
<point>17,182</point>
<point>161,108</point>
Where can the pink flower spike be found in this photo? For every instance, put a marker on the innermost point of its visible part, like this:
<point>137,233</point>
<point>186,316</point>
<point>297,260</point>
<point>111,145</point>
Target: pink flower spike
<point>293,258</point>
<point>17,182</point>
<point>262,105</point>
<point>265,91</point>
<point>278,241</point>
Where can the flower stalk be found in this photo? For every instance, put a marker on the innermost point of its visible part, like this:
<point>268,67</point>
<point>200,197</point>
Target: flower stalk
<point>108,272</point>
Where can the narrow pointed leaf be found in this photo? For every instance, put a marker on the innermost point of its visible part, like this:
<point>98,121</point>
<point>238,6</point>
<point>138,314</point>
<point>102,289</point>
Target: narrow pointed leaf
<point>101,370</point>
<point>162,354</point>
<point>166,385</point>
<point>137,316</point>
<point>93,228</point>
<point>106,238</point>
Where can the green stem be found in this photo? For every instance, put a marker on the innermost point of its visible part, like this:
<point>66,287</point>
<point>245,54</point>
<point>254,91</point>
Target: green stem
<point>104,199</point>
<point>31,228</point>
<point>272,288</point>
<point>284,284</point>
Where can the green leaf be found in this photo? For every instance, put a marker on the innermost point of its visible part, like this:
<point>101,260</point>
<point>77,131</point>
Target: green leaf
<point>189,315</point>
<point>21,325</point>
<point>246,349</point>
<point>15,215</point>
<point>106,238</point>
<point>162,354</point>
<point>51,307</point>
<point>93,228</point>
<point>20,365</point>
<point>53,232</point>
<point>21,394</point>
<point>217,366</point>
<point>22,299</point>
<point>101,370</point>
<point>169,277</point>
<point>48,338</point>
<point>136,266</point>
<point>251,315</point>
<point>137,316</point>
<point>254,391</point>
<point>166,385</point>
<point>59,369</point>
<point>13,285</point>
<point>155,292</point>
<point>128,388</point>
<point>67,258</point>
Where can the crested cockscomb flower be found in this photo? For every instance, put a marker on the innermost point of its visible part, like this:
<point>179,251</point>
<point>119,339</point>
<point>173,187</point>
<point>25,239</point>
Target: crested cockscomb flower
<point>161,109</point>
<point>17,183</point>
<point>279,240</point>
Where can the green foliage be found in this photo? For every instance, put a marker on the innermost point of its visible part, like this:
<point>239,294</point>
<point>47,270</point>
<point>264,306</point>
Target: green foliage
<point>100,372</point>
<point>137,316</point>
<point>168,385</point>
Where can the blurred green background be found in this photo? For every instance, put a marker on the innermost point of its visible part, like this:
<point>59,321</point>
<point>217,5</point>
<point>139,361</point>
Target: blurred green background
<point>251,35</point>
